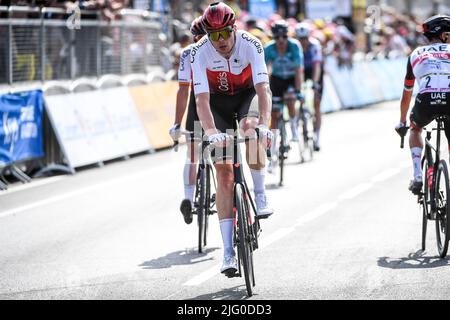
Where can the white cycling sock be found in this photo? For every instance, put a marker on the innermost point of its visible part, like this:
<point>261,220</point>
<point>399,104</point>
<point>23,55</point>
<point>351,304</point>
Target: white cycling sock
<point>189,191</point>
<point>226,228</point>
<point>416,154</point>
<point>258,180</point>
<point>293,122</point>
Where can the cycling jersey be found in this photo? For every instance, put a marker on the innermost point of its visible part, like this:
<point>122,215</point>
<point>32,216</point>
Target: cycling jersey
<point>284,66</point>
<point>185,79</point>
<point>214,74</point>
<point>313,54</point>
<point>430,65</point>
<point>184,69</point>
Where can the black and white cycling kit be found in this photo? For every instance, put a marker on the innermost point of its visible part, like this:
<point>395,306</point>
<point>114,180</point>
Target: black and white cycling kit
<point>230,82</point>
<point>430,66</point>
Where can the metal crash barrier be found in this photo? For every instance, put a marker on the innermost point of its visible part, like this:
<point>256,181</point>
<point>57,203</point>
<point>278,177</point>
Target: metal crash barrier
<point>53,44</point>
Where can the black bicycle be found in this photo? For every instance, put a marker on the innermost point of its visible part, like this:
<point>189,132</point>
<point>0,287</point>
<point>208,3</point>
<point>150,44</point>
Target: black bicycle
<point>204,199</point>
<point>281,139</point>
<point>247,227</point>
<point>434,197</point>
<point>306,139</point>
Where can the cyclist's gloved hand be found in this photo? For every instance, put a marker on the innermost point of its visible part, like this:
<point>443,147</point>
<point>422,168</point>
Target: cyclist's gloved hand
<point>175,132</point>
<point>401,129</point>
<point>316,86</point>
<point>219,139</point>
<point>266,133</point>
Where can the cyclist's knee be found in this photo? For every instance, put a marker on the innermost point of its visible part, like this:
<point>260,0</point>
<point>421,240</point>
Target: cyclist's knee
<point>415,128</point>
<point>224,173</point>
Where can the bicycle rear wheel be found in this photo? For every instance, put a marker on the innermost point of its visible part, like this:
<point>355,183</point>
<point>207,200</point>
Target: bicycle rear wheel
<point>426,204</point>
<point>282,151</point>
<point>442,194</point>
<point>244,240</point>
<point>308,132</point>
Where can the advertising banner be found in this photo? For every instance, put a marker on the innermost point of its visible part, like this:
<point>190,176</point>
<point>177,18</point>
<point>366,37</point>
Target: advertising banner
<point>21,126</point>
<point>156,106</point>
<point>262,9</point>
<point>96,126</point>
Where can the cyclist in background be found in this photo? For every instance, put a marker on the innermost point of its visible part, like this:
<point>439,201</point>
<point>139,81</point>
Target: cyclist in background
<point>430,65</point>
<point>284,59</point>
<point>228,70</point>
<point>312,52</point>
<point>185,81</point>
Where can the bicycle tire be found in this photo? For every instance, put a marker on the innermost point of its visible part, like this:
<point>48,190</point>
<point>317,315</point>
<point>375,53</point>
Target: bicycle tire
<point>426,207</point>
<point>207,205</point>
<point>442,208</point>
<point>282,149</point>
<point>201,210</point>
<point>244,245</point>
<point>308,134</point>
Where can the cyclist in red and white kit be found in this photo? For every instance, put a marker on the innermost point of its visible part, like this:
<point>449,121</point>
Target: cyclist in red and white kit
<point>430,66</point>
<point>185,81</point>
<point>228,71</point>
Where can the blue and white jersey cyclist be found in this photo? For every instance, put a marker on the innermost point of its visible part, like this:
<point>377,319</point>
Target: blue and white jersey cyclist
<point>430,66</point>
<point>284,59</point>
<point>313,61</point>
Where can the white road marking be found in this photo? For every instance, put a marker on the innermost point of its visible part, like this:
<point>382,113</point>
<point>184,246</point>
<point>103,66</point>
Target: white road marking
<point>64,196</point>
<point>32,185</point>
<point>316,213</point>
<point>385,175</point>
<point>356,191</point>
<point>204,276</point>
<point>277,235</point>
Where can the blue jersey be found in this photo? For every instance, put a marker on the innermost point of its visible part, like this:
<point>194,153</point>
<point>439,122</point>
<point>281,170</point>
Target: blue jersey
<point>284,66</point>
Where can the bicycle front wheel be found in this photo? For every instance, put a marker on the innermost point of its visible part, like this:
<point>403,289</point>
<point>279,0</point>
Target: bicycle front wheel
<point>244,241</point>
<point>442,194</point>
<point>202,210</point>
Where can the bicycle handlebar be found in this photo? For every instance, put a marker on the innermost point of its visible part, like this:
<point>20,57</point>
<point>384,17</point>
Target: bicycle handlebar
<point>402,131</point>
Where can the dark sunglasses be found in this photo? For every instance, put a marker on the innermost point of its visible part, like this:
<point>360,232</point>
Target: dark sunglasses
<point>224,33</point>
<point>281,37</point>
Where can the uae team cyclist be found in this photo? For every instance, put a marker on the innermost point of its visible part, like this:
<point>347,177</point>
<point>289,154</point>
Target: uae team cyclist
<point>430,66</point>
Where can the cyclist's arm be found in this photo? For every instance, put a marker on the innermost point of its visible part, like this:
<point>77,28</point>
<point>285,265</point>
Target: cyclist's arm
<point>317,63</point>
<point>407,92</point>
<point>184,81</point>
<point>182,98</point>
<point>299,63</point>
<point>298,78</point>
<point>264,101</point>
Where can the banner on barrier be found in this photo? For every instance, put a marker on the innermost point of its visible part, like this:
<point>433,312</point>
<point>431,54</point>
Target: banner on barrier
<point>96,126</point>
<point>21,127</point>
<point>155,104</point>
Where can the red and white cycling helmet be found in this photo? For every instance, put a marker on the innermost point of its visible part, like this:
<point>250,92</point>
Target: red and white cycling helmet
<point>218,16</point>
<point>197,27</point>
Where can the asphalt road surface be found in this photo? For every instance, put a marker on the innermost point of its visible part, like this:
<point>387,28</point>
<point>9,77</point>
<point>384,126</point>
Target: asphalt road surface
<point>345,227</point>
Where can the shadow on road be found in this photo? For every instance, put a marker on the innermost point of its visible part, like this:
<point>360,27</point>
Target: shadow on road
<point>415,260</point>
<point>182,257</point>
<point>235,293</point>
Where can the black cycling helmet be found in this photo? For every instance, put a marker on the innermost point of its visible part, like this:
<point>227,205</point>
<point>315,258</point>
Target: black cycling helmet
<point>279,28</point>
<point>433,27</point>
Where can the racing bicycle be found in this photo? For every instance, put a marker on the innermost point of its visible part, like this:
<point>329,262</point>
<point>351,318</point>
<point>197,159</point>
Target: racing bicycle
<point>204,199</point>
<point>434,197</point>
